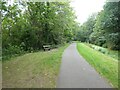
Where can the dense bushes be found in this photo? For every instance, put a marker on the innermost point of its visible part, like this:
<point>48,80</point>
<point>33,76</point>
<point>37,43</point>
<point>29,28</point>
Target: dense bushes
<point>11,51</point>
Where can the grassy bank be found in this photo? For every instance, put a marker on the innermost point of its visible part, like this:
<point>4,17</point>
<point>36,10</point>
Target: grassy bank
<point>105,65</point>
<point>108,52</point>
<point>33,70</point>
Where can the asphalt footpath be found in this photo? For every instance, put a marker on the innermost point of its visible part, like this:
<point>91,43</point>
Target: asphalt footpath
<point>76,72</point>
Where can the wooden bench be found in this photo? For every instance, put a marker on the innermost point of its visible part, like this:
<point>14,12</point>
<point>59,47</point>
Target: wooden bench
<point>46,47</point>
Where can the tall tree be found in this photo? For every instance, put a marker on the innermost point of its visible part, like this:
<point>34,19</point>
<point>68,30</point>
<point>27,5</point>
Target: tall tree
<point>107,28</point>
<point>37,24</point>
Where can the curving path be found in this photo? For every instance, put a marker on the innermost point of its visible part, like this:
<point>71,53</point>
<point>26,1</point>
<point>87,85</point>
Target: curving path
<point>75,72</point>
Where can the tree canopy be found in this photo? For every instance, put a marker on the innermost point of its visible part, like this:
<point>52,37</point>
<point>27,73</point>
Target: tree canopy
<point>28,26</point>
<point>104,29</point>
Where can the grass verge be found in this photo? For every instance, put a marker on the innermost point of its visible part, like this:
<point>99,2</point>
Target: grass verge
<point>106,66</point>
<point>108,52</point>
<point>33,70</point>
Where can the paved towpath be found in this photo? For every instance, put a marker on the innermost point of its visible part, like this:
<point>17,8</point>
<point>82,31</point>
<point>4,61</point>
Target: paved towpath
<point>75,72</point>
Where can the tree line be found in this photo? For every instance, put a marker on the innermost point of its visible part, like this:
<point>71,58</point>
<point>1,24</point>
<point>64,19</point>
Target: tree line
<point>27,26</point>
<point>103,28</point>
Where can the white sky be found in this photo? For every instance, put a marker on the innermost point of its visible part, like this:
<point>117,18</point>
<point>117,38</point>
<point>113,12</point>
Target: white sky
<point>84,8</point>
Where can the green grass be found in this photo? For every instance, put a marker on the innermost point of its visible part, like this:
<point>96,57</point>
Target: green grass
<point>105,65</point>
<point>111,53</point>
<point>33,70</point>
